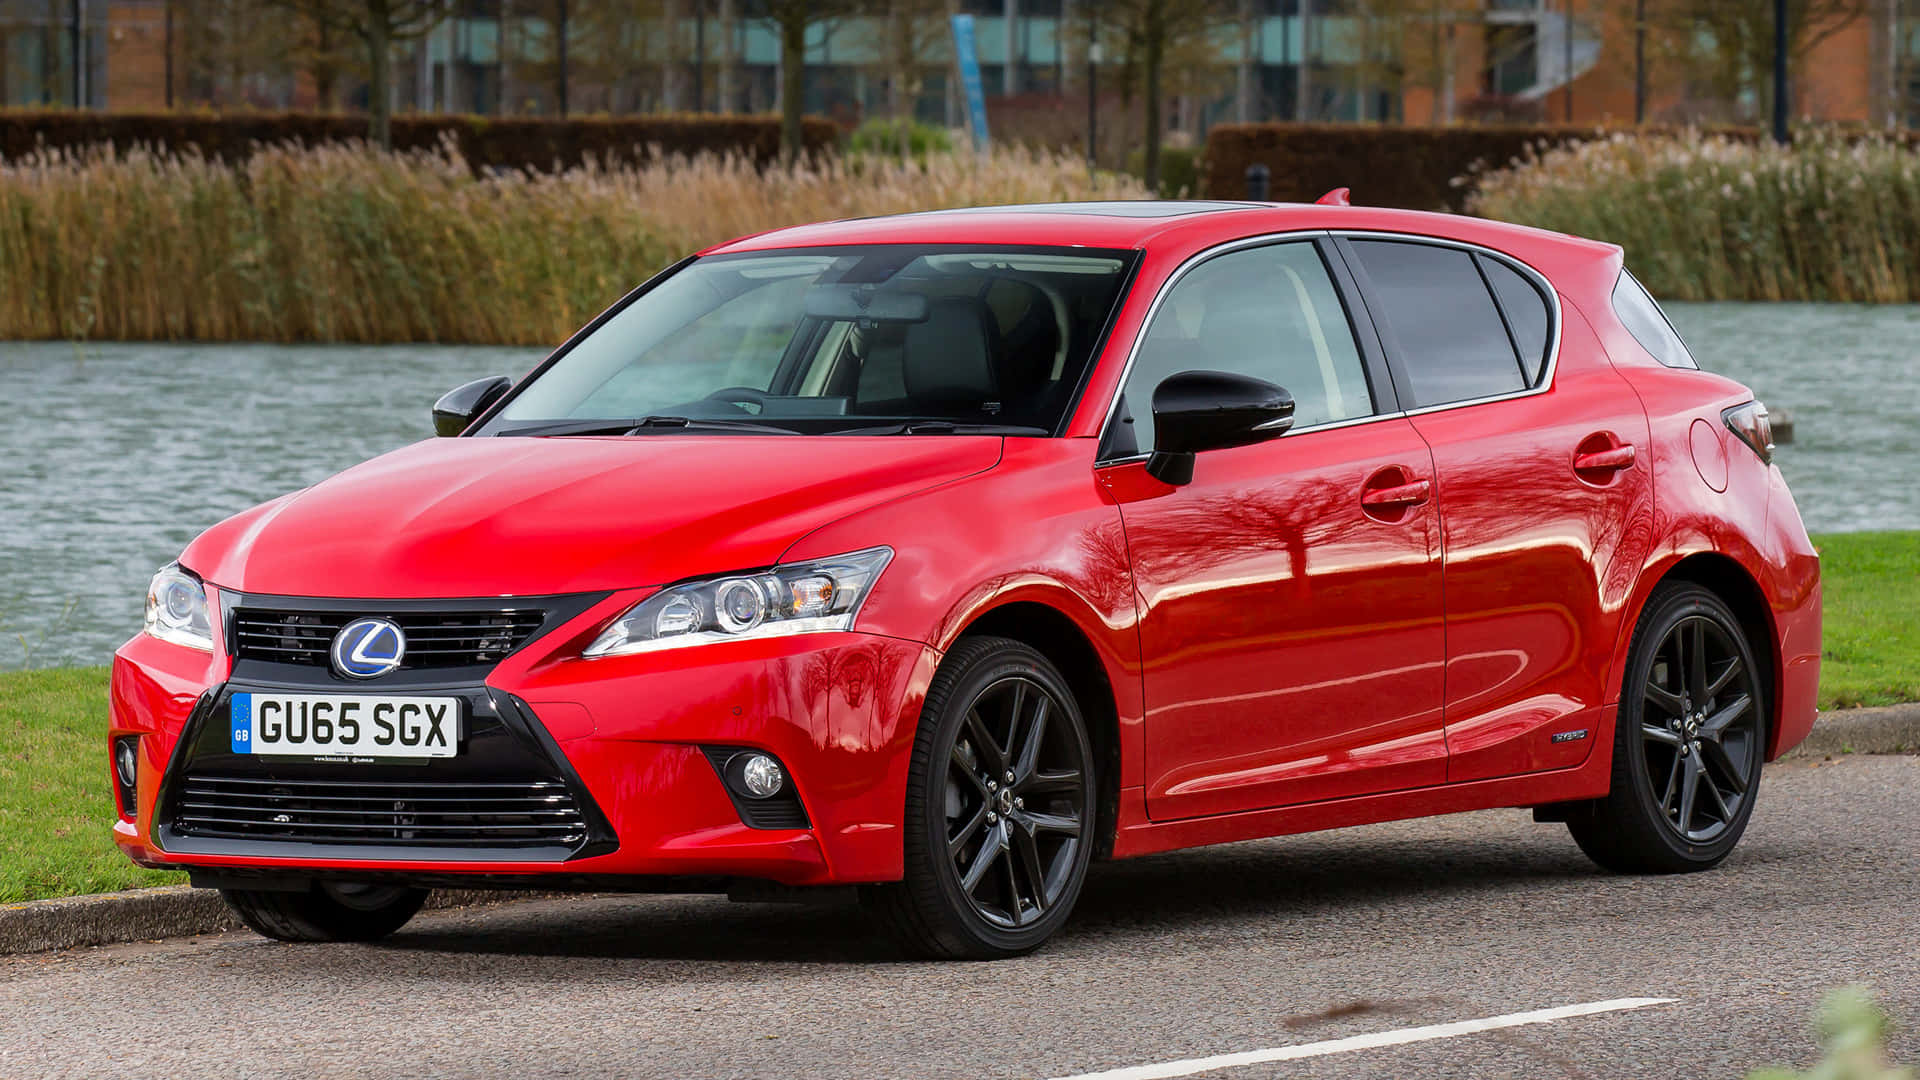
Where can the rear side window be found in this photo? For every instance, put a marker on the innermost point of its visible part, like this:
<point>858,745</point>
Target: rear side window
<point>1451,338</point>
<point>1648,324</point>
<point>1526,312</point>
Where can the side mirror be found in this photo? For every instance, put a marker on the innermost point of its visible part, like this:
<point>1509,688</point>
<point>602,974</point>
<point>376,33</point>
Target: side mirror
<point>1211,410</point>
<point>456,409</point>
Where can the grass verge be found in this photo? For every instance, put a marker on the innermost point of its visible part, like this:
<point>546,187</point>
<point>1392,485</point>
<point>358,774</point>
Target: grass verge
<point>1871,641</point>
<point>55,803</point>
<point>56,808</point>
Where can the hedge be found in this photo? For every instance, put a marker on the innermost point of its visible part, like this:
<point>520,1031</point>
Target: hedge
<point>1412,168</point>
<point>485,142</point>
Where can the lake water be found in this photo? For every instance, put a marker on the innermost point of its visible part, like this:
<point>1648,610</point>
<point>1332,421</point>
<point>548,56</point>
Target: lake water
<point>117,455</point>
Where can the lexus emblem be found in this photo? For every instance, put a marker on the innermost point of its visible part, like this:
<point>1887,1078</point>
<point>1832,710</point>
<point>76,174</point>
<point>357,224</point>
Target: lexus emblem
<point>368,648</point>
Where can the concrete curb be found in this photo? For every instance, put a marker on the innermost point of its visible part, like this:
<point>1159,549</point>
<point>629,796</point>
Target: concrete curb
<point>1892,729</point>
<point>162,912</point>
<point>178,911</point>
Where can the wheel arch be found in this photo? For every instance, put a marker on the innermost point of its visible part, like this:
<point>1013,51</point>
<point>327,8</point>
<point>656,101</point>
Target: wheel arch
<point>1055,635</point>
<point>1736,586</point>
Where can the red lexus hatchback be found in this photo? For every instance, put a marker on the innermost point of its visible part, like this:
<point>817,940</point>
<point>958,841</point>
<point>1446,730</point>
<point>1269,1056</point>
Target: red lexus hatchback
<point>942,554</point>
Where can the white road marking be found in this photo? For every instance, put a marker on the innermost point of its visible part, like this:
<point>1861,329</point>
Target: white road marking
<point>1378,1039</point>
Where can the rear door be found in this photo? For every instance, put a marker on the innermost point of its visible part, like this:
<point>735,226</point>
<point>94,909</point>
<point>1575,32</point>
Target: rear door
<point>1542,483</point>
<point>1291,630</point>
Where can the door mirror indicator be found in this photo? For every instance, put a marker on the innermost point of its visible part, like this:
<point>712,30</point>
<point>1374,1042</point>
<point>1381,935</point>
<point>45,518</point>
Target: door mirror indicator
<point>1211,410</point>
<point>457,408</point>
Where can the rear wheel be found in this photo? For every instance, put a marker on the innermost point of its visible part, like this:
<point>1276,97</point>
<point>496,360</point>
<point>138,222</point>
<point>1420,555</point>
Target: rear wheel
<point>327,911</point>
<point>1688,743</point>
<point>999,813</point>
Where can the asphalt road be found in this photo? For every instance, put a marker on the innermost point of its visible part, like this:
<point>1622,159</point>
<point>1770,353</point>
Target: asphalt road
<point>1221,950</point>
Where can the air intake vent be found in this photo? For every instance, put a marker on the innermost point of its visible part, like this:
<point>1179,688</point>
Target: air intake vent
<point>538,813</point>
<point>434,639</point>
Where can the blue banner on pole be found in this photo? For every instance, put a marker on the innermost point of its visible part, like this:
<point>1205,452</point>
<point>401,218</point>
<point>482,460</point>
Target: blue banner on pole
<point>969,58</point>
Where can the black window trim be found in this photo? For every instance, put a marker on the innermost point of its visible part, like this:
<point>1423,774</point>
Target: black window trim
<point>1378,346</point>
<point>1392,343</point>
<point>1506,318</point>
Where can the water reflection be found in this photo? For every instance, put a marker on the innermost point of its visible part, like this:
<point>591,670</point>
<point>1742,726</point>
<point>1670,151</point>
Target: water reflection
<point>117,455</point>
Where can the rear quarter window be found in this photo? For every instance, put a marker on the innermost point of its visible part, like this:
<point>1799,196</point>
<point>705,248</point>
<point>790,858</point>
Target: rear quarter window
<point>1643,319</point>
<point>1528,319</point>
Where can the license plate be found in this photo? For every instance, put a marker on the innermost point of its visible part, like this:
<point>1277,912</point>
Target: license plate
<point>363,726</point>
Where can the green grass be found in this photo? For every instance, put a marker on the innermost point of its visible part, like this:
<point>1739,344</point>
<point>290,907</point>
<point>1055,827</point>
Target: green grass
<point>1871,653</point>
<point>56,808</point>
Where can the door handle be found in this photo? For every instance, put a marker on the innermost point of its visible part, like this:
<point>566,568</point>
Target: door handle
<point>1610,460</point>
<point>1409,494</point>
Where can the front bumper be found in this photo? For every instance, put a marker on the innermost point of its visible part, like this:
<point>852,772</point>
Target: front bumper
<point>625,734</point>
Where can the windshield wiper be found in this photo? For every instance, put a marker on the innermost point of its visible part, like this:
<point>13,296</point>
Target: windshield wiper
<point>943,427</point>
<point>687,423</point>
<point>643,425</point>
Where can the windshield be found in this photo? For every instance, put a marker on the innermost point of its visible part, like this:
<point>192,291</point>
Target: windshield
<point>878,338</point>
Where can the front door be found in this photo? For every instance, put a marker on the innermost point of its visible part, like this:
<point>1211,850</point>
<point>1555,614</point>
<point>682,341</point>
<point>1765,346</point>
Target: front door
<point>1291,628</point>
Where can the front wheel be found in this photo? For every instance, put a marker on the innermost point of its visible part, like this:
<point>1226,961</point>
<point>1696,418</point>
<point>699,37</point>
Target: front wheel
<point>327,911</point>
<point>1688,742</point>
<point>999,811</point>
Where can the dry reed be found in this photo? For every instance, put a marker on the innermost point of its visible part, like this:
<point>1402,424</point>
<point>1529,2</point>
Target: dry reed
<point>1701,217</point>
<point>342,243</point>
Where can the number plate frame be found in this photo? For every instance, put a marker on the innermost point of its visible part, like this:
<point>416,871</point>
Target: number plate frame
<point>262,724</point>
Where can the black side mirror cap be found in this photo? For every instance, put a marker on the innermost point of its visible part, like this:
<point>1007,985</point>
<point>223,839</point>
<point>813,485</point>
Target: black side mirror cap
<point>457,408</point>
<point>1211,410</point>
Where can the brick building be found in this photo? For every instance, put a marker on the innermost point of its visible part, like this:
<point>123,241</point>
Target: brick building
<point>1314,60</point>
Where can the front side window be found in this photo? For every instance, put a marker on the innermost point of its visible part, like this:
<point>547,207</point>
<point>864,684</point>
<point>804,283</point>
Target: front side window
<point>1648,324</point>
<point>818,341</point>
<point>1451,339</point>
<point>1268,312</point>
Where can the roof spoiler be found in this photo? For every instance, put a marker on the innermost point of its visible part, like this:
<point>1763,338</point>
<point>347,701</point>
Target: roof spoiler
<point>1337,197</point>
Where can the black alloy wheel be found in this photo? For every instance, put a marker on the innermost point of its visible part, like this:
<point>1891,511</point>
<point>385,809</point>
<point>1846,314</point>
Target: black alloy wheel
<point>1000,818</point>
<point>1689,744</point>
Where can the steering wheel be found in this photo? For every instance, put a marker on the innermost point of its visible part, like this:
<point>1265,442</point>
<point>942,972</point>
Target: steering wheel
<point>740,395</point>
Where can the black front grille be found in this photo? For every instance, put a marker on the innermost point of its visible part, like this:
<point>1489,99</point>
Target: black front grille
<point>445,813</point>
<point>434,639</point>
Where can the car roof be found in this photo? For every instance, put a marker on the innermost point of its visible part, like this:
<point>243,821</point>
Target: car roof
<point>1140,224</point>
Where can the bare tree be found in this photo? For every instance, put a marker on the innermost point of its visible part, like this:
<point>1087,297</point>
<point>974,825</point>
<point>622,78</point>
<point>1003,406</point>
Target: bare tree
<point>1737,51</point>
<point>1149,31</point>
<point>378,24</point>
<point>791,21</point>
<point>910,37</point>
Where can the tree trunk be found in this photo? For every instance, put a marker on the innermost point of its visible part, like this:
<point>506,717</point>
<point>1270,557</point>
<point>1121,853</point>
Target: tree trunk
<point>380,68</point>
<point>723,78</point>
<point>793,83</point>
<point>504,103</point>
<point>1155,47</point>
<point>560,32</point>
<point>672,99</point>
<point>899,58</point>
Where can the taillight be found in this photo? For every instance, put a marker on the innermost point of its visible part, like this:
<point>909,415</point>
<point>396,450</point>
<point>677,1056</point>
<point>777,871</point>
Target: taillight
<point>1749,421</point>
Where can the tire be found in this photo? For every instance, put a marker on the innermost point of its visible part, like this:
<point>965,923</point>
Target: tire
<point>327,911</point>
<point>965,820</point>
<point>1686,771</point>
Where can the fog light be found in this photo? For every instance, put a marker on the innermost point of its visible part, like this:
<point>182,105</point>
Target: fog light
<point>761,776</point>
<point>126,771</point>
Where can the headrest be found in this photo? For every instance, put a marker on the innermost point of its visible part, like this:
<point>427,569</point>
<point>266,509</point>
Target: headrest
<point>950,355</point>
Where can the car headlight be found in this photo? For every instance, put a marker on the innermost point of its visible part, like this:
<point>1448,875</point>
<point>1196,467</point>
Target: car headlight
<point>799,598</point>
<point>177,609</point>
